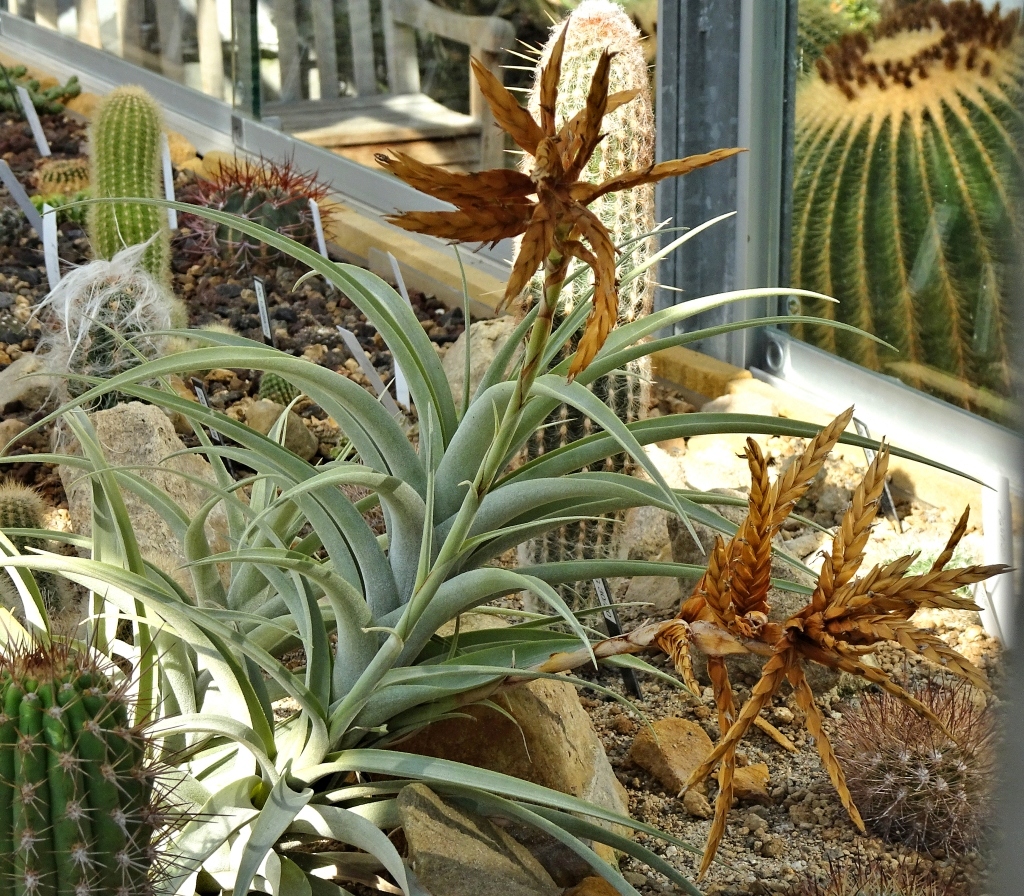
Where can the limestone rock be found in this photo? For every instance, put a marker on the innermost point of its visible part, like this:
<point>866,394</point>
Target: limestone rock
<point>263,414</point>
<point>663,593</point>
<point>140,436</point>
<point>671,751</point>
<point>592,886</point>
<point>696,804</point>
<point>751,783</point>
<point>455,853</point>
<point>486,339</point>
<point>715,461</point>
<point>25,381</point>
<point>554,743</point>
<point>783,603</point>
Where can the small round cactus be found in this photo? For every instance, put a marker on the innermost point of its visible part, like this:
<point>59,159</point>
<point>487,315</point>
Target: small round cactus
<point>275,387</point>
<point>78,799</point>
<point>911,783</point>
<point>863,878</point>
<point>22,508</point>
<point>274,195</point>
<point>65,176</point>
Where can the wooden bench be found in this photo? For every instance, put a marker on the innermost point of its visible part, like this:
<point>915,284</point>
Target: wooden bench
<point>404,117</point>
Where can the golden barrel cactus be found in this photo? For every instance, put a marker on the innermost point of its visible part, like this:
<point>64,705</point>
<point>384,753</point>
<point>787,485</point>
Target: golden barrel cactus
<point>908,164</point>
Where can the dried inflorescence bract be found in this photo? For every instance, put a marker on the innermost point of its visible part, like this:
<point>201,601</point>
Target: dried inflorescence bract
<point>847,618</point>
<point>548,205</point>
<point>911,782</point>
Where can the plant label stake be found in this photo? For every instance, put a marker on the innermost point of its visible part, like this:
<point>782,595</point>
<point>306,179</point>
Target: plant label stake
<point>356,350</point>
<point>401,384</point>
<point>614,627</point>
<point>886,503</point>
<point>165,151</point>
<point>33,121</point>
<point>19,195</point>
<point>318,226</point>
<point>49,238</point>
<point>218,439</point>
<point>261,303</point>
<point>997,613</point>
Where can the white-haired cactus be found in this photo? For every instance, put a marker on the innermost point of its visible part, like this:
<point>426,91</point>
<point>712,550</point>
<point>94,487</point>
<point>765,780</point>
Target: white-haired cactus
<point>77,806</point>
<point>125,147</point>
<point>908,164</point>
<point>628,145</point>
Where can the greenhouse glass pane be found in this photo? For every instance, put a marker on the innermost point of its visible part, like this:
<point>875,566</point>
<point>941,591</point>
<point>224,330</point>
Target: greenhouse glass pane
<point>907,165</point>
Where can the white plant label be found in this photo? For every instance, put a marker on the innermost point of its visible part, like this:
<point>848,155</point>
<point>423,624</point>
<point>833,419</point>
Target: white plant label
<point>49,237</point>
<point>165,150</point>
<point>33,121</point>
<point>318,226</point>
<point>261,303</point>
<point>401,384</point>
<point>19,195</point>
<point>356,350</point>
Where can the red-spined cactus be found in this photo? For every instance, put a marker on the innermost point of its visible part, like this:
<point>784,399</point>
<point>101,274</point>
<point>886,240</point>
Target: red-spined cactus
<point>913,784</point>
<point>274,195</point>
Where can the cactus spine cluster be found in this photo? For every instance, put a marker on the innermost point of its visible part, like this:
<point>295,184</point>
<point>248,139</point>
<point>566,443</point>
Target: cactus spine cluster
<point>911,783</point>
<point>22,508</point>
<point>77,805</point>
<point>908,158</point>
<point>275,387</point>
<point>628,145</point>
<point>125,141</point>
<point>863,878</point>
<point>49,100</point>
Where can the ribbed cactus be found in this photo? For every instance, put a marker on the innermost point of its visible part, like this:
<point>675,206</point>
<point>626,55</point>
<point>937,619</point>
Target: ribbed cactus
<point>63,205</point>
<point>275,387</point>
<point>77,804</point>
<point>125,146</point>
<point>908,162</point>
<point>628,145</point>
<point>62,176</point>
<point>51,100</point>
<point>22,508</point>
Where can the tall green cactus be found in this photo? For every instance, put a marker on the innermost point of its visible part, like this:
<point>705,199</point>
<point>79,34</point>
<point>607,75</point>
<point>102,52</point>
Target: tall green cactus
<point>908,162</point>
<point>77,805</point>
<point>628,145</point>
<point>125,146</point>
<point>22,508</point>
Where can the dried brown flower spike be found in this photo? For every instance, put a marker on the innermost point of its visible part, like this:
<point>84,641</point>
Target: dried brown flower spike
<point>548,206</point>
<point>847,618</point>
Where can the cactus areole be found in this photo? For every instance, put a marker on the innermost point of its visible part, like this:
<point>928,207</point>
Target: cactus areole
<point>76,796</point>
<point>908,160</point>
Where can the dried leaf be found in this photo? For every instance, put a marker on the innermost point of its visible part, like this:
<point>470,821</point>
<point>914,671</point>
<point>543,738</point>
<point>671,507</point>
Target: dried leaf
<point>549,79</point>
<point>593,118</point>
<point>959,530</point>
<point>513,118</point>
<point>605,310</point>
<point>505,185</point>
<point>485,225</point>
<point>535,247</point>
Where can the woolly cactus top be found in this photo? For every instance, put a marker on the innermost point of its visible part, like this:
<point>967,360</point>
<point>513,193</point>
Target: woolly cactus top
<point>922,55</point>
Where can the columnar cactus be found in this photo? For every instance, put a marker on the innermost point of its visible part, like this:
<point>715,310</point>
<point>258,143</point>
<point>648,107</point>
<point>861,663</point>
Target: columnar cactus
<point>77,804</point>
<point>628,145</point>
<point>125,141</point>
<point>908,161</point>
<point>22,508</point>
<point>51,100</point>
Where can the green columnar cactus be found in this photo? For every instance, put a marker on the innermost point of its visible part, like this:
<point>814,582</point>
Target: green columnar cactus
<point>628,145</point>
<point>275,387</point>
<point>125,141</point>
<point>908,159</point>
<point>77,807</point>
<point>22,508</point>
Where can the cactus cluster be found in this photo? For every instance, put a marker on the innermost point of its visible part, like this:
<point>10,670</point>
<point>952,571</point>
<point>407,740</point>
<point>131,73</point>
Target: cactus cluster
<point>22,508</point>
<point>78,802</point>
<point>50,100</point>
<point>275,387</point>
<point>64,204</point>
<point>628,144</point>
<point>274,195</point>
<point>125,141</point>
<point>908,156</point>
<point>911,782</point>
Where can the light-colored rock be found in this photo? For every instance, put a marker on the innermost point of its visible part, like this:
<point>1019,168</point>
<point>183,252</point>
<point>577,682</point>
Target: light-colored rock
<point>10,430</point>
<point>25,380</point>
<point>742,402</point>
<point>140,436</point>
<point>486,339</point>
<point>454,853</point>
<point>751,783</point>
<point>696,804</point>
<point>644,534</point>
<point>715,461</point>
<point>670,749</point>
<point>263,414</point>
<point>592,886</point>
<point>552,742</point>
<point>661,592</point>
<point>783,604</point>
